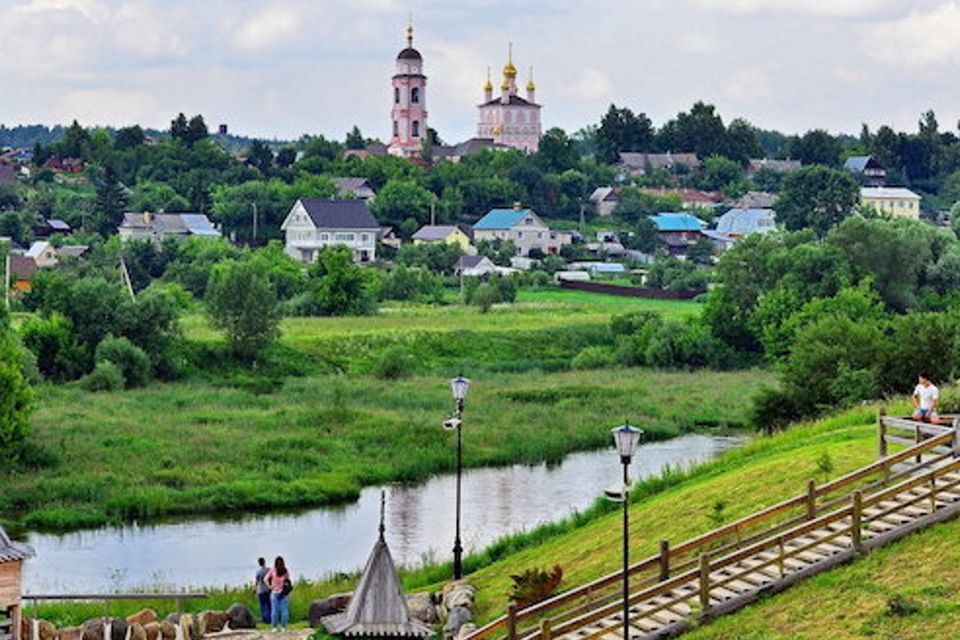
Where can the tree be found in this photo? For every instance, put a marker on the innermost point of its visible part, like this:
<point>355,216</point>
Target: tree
<point>75,142</point>
<point>111,201</point>
<point>242,304</point>
<point>189,132</point>
<point>742,143</point>
<point>621,130</point>
<point>700,130</point>
<point>260,156</point>
<point>128,138</point>
<point>816,147</point>
<point>402,200</point>
<point>556,152</point>
<point>719,173</point>
<point>16,397</point>
<point>645,236</point>
<point>355,139</point>
<point>157,196</point>
<point>816,197</point>
<point>340,287</point>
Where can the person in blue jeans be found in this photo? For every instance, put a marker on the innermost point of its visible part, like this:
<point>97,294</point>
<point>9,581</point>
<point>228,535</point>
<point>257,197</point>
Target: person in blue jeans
<point>262,590</point>
<point>280,582</point>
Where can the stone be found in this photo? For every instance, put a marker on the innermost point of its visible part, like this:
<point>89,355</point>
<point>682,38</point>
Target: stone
<point>69,633</point>
<point>152,631</point>
<point>92,630</point>
<point>241,617</point>
<point>459,594</point>
<point>190,627</point>
<point>456,618</point>
<point>173,617</point>
<point>143,617</point>
<point>213,621</point>
<point>337,603</point>
<point>137,632</point>
<point>45,629</point>
<point>466,630</point>
<point>118,629</point>
<point>422,608</point>
<point>168,630</point>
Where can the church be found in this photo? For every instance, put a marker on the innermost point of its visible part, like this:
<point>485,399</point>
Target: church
<point>508,121</point>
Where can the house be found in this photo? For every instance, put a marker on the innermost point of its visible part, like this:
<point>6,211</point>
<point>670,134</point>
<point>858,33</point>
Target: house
<point>780,166</point>
<point>12,555</point>
<point>22,270</point>
<point>474,266</point>
<point>743,222</point>
<point>389,237</point>
<point>449,234</point>
<point>157,227</point>
<point>315,223</point>
<point>51,227</point>
<point>74,251</point>
<point>355,188</point>
<point>755,200</point>
<point>895,201</point>
<point>457,152</point>
<point>605,200</point>
<point>677,231</point>
<point>65,165</point>
<point>42,253</point>
<point>868,169</point>
<point>523,227</point>
<point>690,198</point>
<point>639,164</point>
<point>719,240</point>
<point>608,242</point>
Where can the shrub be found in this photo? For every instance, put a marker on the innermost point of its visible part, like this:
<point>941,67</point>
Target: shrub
<point>773,410</point>
<point>106,376</point>
<point>534,585</point>
<point>50,340</point>
<point>394,363</point>
<point>485,296</point>
<point>132,361</point>
<point>413,283</point>
<point>16,397</point>
<point>593,358</point>
<point>634,331</point>
<point>241,302</point>
<point>687,345</point>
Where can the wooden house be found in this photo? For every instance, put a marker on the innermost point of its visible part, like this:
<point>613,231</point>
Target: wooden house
<point>12,555</point>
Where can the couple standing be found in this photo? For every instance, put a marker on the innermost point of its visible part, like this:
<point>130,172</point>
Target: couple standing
<point>273,591</point>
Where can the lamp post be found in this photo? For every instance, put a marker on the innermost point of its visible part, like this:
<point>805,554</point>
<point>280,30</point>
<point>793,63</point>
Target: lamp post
<point>626,437</point>
<point>460,386</point>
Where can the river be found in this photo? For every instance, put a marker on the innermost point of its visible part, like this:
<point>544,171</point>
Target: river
<point>209,552</point>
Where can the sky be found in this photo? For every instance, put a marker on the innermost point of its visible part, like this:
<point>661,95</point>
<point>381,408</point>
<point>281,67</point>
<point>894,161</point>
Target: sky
<point>283,68</point>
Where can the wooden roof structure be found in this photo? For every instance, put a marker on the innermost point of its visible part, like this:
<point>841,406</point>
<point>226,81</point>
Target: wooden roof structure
<point>378,608</point>
<point>11,551</point>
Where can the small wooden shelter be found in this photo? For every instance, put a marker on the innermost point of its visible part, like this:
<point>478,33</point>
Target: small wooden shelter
<point>12,555</point>
<point>378,608</point>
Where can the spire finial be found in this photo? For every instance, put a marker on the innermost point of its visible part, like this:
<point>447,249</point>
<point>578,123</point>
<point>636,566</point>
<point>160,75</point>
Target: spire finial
<point>410,29</point>
<point>383,509</point>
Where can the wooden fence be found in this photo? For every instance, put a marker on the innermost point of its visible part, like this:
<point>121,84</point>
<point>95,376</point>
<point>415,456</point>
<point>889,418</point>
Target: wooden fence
<point>921,459</point>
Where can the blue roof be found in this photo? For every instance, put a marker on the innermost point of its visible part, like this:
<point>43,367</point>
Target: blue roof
<point>676,222</point>
<point>746,221</point>
<point>501,218</point>
<point>198,224</point>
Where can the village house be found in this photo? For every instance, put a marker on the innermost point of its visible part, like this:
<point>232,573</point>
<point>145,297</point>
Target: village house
<point>42,253</point>
<point>754,200</point>
<point>22,270</point>
<point>743,222</point>
<point>51,227</point>
<point>691,198</point>
<point>640,164</point>
<point>605,200</point>
<point>12,555</point>
<point>867,169</point>
<point>157,227</point>
<point>678,231</point>
<point>355,188</point>
<point>449,234</point>
<point>523,227</point>
<point>894,201</point>
<point>315,223</point>
<point>474,266</point>
<point>389,237</point>
<point>780,166</point>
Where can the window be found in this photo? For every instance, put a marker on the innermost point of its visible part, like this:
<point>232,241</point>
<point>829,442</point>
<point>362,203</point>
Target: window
<point>416,129</point>
<point>324,236</point>
<point>364,237</point>
<point>396,95</point>
<point>528,221</point>
<point>415,95</point>
<point>540,235</point>
<point>396,129</point>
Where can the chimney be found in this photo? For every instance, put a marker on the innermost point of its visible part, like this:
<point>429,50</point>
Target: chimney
<point>516,206</point>
<point>147,217</point>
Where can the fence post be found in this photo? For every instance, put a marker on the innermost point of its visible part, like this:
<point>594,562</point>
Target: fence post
<point>919,439</point>
<point>545,629</point>
<point>664,560</point>
<point>782,557</point>
<point>811,499</point>
<point>855,521</point>
<point>881,433</point>
<point>512,622</point>
<point>106,608</point>
<point>704,582</point>
<point>933,492</point>
<point>956,437</point>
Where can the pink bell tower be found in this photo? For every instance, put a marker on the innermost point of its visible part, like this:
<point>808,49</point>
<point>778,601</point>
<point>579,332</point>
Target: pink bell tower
<point>409,113</point>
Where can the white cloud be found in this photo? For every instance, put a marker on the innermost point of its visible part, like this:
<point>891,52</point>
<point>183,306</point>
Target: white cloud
<point>592,84</point>
<point>273,27</point>
<point>93,10</point>
<point>918,39</point>
<point>806,7</point>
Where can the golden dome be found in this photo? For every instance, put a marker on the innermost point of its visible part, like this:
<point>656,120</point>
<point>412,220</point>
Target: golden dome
<point>530,84</point>
<point>510,71</point>
<point>488,86</point>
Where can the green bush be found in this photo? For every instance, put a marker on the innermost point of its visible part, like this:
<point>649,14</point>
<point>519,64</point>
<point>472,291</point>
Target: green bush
<point>50,340</point>
<point>106,376</point>
<point>773,410</point>
<point>394,363</point>
<point>485,296</point>
<point>16,396</point>
<point>687,345</point>
<point>593,358</point>
<point>132,361</point>
<point>633,332</point>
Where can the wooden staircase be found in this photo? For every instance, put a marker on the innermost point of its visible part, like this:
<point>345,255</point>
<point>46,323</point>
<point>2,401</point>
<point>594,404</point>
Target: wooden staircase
<point>766,552</point>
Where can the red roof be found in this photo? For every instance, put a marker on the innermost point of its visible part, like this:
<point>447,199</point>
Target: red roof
<point>22,267</point>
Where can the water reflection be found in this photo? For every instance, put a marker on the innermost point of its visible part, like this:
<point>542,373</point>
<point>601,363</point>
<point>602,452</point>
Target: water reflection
<point>318,542</point>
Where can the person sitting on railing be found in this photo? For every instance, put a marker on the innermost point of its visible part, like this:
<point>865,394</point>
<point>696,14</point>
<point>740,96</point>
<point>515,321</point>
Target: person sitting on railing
<point>925,399</point>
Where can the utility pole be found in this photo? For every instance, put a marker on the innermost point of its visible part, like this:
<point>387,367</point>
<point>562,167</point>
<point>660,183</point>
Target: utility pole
<point>433,213</point>
<point>254,223</point>
<point>6,280</point>
<point>125,275</point>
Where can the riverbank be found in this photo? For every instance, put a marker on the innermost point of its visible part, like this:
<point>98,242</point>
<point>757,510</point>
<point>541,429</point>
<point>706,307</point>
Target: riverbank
<point>675,505</point>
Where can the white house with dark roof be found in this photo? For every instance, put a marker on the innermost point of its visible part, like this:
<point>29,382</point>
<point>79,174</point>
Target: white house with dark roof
<point>315,223</point>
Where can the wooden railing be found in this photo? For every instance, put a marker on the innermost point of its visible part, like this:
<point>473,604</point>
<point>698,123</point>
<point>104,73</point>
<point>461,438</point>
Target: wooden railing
<point>6,625</point>
<point>769,529</point>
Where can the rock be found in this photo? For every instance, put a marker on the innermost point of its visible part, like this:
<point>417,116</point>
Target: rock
<point>91,630</point>
<point>152,631</point>
<point>143,617</point>
<point>45,629</point>
<point>173,617</point>
<point>458,594</point>
<point>337,603</point>
<point>137,632</point>
<point>466,630</point>
<point>241,617</point>
<point>168,630</point>
<point>213,621</point>
<point>422,608</point>
<point>457,617</point>
<point>190,627</point>
<point>118,629</point>
<point>69,633</point>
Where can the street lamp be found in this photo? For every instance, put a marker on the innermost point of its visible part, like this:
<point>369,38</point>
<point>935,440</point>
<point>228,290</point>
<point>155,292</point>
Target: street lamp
<point>626,437</point>
<point>459,386</point>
